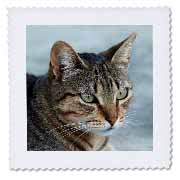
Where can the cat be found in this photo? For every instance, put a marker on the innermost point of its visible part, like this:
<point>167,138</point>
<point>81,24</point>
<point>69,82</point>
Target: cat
<point>81,100</point>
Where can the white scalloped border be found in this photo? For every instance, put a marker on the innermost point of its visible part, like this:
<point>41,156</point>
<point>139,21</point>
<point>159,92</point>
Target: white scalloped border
<point>170,86</point>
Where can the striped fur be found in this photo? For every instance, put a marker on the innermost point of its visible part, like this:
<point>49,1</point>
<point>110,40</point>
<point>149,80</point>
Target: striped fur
<point>58,116</point>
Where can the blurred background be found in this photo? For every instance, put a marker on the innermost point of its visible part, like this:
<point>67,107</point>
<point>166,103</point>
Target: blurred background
<point>137,132</point>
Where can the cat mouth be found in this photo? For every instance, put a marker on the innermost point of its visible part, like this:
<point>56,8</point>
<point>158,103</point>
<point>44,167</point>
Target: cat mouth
<point>104,129</point>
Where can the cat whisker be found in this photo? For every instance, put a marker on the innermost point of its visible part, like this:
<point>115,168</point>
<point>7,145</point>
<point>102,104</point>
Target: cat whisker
<point>59,127</point>
<point>131,112</point>
<point>68,130</point>
<point>66,125</point>
<point>130,119</point>
<point>86,131</point>
<point>130,124</point>
<point>67,133</point>
<point>129,115</point>
<point>74,129</point>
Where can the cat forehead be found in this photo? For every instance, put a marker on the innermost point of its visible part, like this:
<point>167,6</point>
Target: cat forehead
<point>89,82</point>
<point>99,73</point>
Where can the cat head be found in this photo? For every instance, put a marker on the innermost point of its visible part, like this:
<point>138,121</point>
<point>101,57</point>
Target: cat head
<point>91,91</point>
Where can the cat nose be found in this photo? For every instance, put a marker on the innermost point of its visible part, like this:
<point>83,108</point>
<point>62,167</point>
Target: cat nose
<point>111,118</point>
<point>110,114</point>
<point>111,121</point>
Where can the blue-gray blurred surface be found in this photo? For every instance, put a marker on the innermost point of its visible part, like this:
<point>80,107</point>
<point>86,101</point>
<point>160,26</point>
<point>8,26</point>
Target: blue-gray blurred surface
<point>137,132</point>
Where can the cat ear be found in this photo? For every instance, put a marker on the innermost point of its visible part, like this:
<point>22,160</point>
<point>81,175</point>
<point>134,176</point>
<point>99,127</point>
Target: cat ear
<point>63,57</point>
<point>120,53</point>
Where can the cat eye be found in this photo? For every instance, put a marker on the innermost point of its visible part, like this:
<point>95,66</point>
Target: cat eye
<point>88,98</point>
<point>122,94</point>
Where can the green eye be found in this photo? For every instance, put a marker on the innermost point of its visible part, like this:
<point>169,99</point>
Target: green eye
<point>87,98</point>
<point>122,94</point>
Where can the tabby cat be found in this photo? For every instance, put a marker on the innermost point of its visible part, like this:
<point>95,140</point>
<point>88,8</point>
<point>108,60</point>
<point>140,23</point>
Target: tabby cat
<point>81,101</point>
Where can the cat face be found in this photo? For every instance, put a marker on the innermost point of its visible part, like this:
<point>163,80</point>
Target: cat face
<point>91,91</point>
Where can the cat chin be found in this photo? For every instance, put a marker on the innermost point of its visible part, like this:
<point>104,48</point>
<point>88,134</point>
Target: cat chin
<point>106,132</point>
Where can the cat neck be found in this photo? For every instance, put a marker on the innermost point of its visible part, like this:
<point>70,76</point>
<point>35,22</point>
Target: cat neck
<point>83,141</point>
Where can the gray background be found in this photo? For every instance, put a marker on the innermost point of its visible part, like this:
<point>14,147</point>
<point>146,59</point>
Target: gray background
<point>137,132</point>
